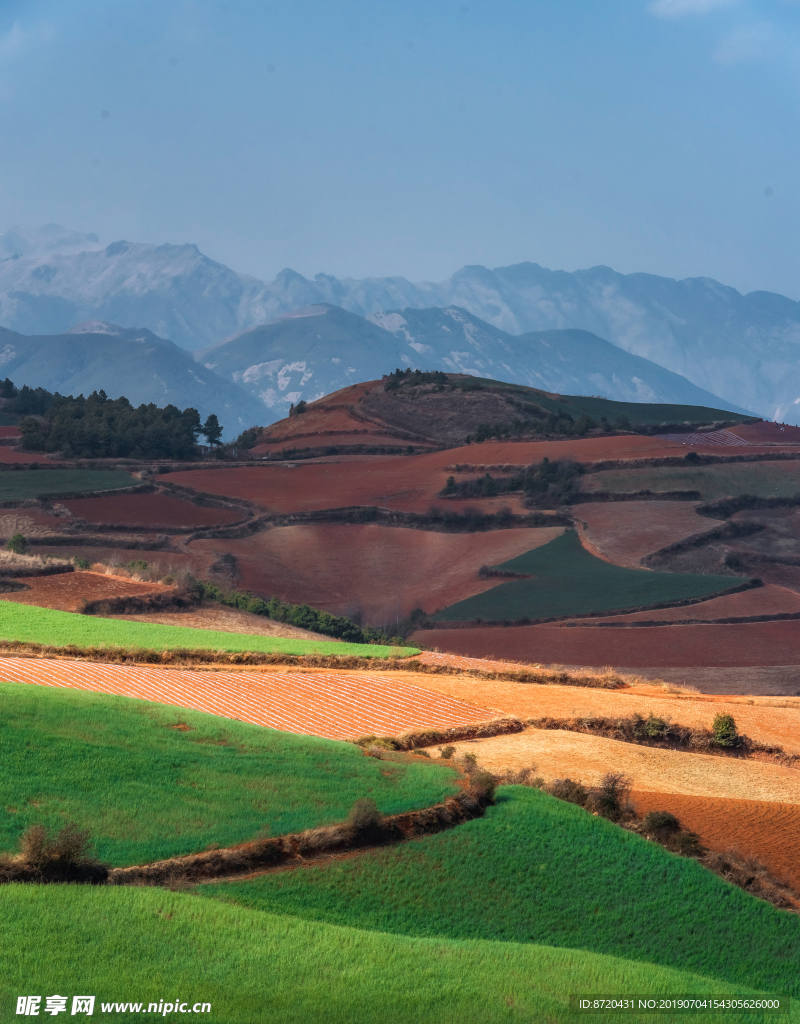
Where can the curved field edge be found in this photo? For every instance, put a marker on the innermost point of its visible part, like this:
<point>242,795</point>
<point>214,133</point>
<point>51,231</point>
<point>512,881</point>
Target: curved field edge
<point>148,945</point>
<point>566,579</point>
<point>536,869</point>
<point>151,781</point>
<point>30,624</point>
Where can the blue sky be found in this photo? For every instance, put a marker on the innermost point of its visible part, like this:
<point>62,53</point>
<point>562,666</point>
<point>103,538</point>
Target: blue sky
<point>366,137</point>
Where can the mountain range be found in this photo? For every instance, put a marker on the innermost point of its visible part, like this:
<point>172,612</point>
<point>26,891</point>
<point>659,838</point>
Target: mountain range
<point>742,348</point>
<point>96,356</point>
<point>293,357</point>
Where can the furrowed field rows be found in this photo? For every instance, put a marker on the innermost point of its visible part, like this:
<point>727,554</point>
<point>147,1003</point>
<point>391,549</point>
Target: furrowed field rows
<point>315,704</point>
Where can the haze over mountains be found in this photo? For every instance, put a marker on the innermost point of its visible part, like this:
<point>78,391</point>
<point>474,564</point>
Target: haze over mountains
<point>742,348</point>
<point>293,357</point>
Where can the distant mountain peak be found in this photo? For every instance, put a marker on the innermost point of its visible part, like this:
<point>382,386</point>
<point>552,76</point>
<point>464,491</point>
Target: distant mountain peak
<point>97,327</point>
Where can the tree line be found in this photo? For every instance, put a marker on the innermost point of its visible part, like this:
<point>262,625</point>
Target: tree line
<point>100,427</point>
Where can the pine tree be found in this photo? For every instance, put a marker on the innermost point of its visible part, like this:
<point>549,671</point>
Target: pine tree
<point>211,430</point>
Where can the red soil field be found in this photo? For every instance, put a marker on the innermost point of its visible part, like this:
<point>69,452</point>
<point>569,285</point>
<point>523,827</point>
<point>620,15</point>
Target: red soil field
<point>151,510</point>
<point>322,440</point>
<point>768,831</point>
<point>403,483</point>
<point>9,432</point>
<point>766,600</point>
<point>66,591</point>
<point>407,483</point>
<point>8,455</point>
<point>625,531</point>
<point>382,572</point>
<point>743,644</point>
<point>766,433</point>
<point>325,704</point>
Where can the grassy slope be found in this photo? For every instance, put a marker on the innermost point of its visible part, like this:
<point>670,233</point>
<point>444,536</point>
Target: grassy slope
<point>767,479</point>
<point>568,580</point>
<point>44,626</point>
<point>646,413</point>
<point>146,944</point>
<point>146,790</point>
<point>34,483</point>
<point>538,870</point>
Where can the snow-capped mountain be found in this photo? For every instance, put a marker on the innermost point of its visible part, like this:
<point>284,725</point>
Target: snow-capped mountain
<point>322,348</point>
<point>745,348</point>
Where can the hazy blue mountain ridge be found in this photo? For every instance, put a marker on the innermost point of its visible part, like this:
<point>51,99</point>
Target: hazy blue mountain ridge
<point>322,348</point>
<point>744,348</point>
<point>134,363</point>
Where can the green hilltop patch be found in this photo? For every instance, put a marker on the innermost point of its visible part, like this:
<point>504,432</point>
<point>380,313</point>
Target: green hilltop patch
<point>565,579</point>
<point>31,624</point>
<point>540,870</point>
<point>144,945</point>
<point>148,790</point>
<point>62,483</point>
<point>646,414</point>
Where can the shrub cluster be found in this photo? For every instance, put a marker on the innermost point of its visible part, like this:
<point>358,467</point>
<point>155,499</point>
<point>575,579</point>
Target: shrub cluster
<point>300,615</point>
<point>64,856</point>
<point>542,482</point>
<point>413,378</point>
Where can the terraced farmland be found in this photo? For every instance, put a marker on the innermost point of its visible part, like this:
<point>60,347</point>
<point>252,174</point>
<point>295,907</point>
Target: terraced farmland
<point>565,579</point>
<point>330,704</point>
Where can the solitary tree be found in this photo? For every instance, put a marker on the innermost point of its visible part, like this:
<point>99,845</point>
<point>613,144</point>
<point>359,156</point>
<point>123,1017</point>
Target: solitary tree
<point>211,430</point>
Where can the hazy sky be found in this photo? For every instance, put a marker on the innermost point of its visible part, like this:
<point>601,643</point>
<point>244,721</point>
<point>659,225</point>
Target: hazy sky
<point>366,137</point>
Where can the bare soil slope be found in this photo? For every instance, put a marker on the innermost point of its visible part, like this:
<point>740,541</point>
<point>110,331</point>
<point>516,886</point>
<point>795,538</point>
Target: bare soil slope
<point>752,643</point>
<point>378,572</point>
<point>67,591</point>
<point>148,510</point>
<point>626,531</point>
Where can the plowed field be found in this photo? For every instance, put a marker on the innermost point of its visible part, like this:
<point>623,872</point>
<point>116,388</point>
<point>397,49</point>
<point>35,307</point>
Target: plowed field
<point>766,433</point>
<point>150,510</point>
<point>6,432</point>
<point>768,831</point>
<point>323,440</point>
<point>740,645</point>
<point>66,591</point>
<point>408,483</point>
<point>626,531</point>
<point>767,600</point>
<point>558,755</point>
<point>773,721</point>
<point>320,704</point>
<point>378,571</point>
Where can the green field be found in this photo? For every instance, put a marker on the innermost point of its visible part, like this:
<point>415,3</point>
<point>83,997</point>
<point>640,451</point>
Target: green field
<point>568,580</point>
<point>766,479</point>
<point>145,790</point>
<point>44,626</point>
<point>256,968</point>
<point>539,870</point>
<point>38,483</point>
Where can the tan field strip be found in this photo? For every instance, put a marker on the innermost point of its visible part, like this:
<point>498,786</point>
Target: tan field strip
<point>768,831</point>
<point>771,720</point>
<point>556,755</point>
<point>328,704</point>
